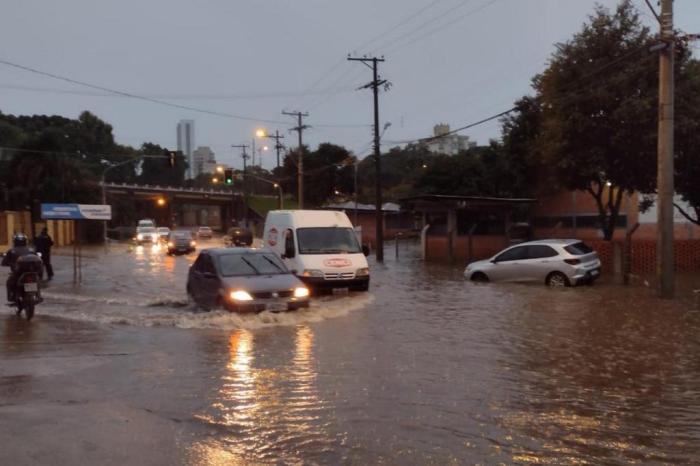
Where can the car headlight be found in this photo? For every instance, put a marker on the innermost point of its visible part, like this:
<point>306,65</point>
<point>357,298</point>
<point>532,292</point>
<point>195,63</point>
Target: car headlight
<point>312,273</point>
<point>301,292</point>
<point>193,243</point>
<point>155,237</point>
<point>139,236</point>
<point>363,272</point>
<point>241,295</point>
<point>171,244</point>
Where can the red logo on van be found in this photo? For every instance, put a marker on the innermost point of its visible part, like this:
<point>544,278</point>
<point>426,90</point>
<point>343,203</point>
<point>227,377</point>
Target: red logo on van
<point>338,262</point>
<point>272,236</point>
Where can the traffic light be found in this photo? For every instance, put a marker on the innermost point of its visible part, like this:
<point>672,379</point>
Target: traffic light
<point>172,158</point>
<point>228,176</point>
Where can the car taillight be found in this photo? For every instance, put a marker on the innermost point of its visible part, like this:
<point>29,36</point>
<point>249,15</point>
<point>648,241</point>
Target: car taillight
<point>572,261</point>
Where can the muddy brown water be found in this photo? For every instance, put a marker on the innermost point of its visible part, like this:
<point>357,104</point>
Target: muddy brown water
<point>425,369</point>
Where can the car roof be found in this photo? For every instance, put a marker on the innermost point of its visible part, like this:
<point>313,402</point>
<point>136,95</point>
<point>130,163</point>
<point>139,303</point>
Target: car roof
<point>224,251</point>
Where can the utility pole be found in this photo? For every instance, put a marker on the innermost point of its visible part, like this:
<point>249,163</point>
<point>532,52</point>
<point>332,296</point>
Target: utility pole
<point>374,84</point>
<point>245,156</point>
<point>664,247</point>
<point>300,163</point>
<point>277,136</point>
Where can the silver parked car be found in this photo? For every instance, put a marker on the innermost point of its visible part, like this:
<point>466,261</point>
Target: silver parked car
<point>556,262</point>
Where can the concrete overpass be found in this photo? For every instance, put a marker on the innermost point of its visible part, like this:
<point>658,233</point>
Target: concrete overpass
<point>176,206</point>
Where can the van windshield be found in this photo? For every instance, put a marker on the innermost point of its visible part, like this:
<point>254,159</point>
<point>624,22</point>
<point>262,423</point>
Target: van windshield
<point>327,240</point>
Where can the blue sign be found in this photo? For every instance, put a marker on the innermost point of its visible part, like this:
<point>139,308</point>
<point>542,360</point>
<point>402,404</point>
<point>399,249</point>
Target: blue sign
<point>76,212</point>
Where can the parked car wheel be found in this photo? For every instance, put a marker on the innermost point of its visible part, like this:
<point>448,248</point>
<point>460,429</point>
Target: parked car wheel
<point>479,277</point>
<point>557,279</point>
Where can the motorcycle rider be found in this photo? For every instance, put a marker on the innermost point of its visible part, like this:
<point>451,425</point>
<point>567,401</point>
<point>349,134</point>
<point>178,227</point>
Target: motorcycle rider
<point>19,241</point>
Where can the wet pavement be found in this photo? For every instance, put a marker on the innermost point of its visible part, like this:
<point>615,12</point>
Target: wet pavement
<point>424,369</point>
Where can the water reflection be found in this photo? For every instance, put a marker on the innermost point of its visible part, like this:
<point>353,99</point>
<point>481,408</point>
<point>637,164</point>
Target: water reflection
<point>269,411</point>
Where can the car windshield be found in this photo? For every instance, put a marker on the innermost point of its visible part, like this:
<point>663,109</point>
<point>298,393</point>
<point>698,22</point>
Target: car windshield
<point>147,230</point>
<point>163,230</point>
<point>181,234</point>
<point>327,240</point>
<point>204,229</point>
<point>232,265</point>
<point>578,249</point>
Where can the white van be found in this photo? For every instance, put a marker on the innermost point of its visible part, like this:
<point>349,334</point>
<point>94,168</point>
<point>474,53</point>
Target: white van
<point>320,246</point>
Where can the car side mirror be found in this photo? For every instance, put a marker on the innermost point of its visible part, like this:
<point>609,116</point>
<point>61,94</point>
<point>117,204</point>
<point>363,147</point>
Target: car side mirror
<point>288,254</point>
<point>365,250</point>
<point>294,271</point>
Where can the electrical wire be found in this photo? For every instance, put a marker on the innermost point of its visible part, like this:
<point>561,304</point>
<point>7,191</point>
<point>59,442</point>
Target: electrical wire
<point>653,11</point>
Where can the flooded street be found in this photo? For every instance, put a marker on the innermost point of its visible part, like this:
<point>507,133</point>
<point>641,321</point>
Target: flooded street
<point>426,368</point>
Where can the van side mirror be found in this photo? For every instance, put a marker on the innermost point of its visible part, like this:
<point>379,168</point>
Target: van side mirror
<point>365,250</point>
<point>288,253</point>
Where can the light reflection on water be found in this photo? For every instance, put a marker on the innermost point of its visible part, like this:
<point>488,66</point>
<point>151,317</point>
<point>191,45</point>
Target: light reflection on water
<point>262,411</point>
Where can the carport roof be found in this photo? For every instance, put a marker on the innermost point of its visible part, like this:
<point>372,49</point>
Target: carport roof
<point>443,202</point>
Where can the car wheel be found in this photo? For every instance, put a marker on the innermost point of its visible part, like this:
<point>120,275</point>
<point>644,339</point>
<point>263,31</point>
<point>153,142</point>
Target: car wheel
<point>557,279</point>
<point>479,277</point>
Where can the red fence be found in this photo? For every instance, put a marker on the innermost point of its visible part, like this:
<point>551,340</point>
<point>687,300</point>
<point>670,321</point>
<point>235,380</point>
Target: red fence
<point>686,252</point>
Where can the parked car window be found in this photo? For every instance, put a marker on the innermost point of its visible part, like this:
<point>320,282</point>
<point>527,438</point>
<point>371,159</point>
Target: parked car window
<point>250,264</point>
<point>514,254</point>
<point>578,249</point>
<point>540,251</point>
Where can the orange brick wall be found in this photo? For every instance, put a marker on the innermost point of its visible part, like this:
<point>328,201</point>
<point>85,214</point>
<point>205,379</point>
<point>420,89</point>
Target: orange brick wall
<point>686,252</point>
<point>483,246</point>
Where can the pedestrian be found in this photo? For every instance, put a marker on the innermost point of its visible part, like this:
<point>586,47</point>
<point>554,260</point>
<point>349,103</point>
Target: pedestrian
<point>43,244</point>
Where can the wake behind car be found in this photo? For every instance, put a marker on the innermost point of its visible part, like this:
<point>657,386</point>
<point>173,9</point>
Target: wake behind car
<point>181,242</point>
<point>244,280</point>
<point>555,262</point>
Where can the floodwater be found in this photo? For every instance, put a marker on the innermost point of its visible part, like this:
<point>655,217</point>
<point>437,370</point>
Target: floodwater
<point>424,369</point>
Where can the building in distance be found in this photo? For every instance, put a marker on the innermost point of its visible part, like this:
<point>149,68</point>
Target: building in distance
<point>203,161</point>
<point>185,144</point>
<point>444,143</point>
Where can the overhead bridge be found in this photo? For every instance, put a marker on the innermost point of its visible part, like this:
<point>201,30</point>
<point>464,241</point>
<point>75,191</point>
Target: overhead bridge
<point>174,206</point>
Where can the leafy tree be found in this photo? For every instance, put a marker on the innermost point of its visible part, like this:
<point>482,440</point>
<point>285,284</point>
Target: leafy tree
<point>687,138</point>
<point>158,170</point>
<point>598,101</point>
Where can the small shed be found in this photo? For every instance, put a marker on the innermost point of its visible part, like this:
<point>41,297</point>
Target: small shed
<point>466,228</point>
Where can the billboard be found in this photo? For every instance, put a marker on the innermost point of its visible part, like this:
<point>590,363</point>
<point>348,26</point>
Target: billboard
<point>76,212</point>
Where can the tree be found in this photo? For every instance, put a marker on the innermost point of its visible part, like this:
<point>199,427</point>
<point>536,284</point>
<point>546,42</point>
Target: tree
<point>687,135</point>
<point>158,170</point>
<point>598,102</point>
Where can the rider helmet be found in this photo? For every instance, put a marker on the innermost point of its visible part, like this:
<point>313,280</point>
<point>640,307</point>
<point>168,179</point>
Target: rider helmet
<point>19,239</point>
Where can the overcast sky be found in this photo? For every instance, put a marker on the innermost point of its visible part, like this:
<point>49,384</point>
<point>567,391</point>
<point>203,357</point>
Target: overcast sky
<point>452,61</point>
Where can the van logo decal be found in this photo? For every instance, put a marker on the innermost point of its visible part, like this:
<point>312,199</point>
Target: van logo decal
<point>272,236</point>
<point>337,262</point>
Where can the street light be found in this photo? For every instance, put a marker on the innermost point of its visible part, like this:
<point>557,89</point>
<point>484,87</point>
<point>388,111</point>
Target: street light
<point>161,202</point>
<point>220,169</point>
<point>215,180</point>
<point>260,133</point>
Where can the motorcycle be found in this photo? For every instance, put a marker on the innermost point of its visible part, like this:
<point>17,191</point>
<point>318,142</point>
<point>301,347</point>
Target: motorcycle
<point>27,292</point>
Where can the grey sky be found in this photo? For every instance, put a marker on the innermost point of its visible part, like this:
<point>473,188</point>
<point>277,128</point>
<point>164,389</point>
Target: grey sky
<point>456,61</point>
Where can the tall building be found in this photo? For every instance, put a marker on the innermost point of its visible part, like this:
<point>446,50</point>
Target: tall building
<point>444,143</point>
<point>185,143</point>
<point>203,160</point>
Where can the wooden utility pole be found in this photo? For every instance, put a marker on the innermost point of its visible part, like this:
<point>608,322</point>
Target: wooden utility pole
<point>300,163</point>
<point>379,217</point>
<point>664,247</point>
<point>245,156</point>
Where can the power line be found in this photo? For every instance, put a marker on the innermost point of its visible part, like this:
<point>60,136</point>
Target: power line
<point>135,96</point>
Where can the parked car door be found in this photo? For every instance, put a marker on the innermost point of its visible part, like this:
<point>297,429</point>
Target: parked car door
<point>539,262</point>
<point>507,266</point>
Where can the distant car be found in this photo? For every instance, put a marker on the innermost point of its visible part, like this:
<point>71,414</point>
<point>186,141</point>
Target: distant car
<point>146,235</point>
<point>204,232</point>
<point>244,280</point>
<point>239,236</point>
<point>181,242</point>
<point>555,262</point>
<point>163,233</point>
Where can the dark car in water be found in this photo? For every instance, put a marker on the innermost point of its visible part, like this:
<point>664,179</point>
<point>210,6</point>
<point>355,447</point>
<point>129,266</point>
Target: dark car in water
<point>244,280</point>
<point>181,242</point>
<point>239,236</point>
